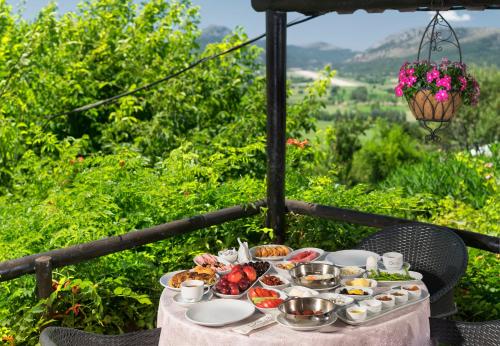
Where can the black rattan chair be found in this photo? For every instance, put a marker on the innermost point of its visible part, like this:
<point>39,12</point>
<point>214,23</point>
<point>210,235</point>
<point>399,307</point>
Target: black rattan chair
<point>439,254</point>
<point>447,332</point>
<point>60,336</point>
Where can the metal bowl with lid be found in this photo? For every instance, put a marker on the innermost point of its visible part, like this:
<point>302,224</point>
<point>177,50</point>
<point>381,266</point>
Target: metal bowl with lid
<point>318,276</point>
<point>310,309</point>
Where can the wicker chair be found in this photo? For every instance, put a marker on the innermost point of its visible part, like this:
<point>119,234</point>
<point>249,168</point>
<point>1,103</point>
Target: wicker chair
<point>59,336</point>
<point>447,332</point>
<point>439,254</point>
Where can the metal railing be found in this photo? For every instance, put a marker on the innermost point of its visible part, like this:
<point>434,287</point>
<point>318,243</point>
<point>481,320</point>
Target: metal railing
<point>42,264</point>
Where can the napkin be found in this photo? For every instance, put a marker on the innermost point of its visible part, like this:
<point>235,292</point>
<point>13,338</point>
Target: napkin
<point>243,252</point>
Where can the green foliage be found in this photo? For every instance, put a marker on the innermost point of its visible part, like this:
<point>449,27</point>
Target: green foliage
<point>385,148</point>
<point>461,176</point>
<point>193,145</point>
<point>474,127</point>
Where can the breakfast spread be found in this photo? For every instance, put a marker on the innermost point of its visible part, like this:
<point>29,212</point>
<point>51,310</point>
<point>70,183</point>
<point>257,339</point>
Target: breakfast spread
<point>271,251</point>
<point>267,291</point>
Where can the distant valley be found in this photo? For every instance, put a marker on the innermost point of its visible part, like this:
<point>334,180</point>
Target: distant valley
<point>480,46</point>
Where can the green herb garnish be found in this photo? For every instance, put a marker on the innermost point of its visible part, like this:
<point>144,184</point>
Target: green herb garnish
<point>382,276</point>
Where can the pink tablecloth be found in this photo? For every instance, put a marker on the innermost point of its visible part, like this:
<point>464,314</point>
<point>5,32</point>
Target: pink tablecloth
<point>409,326</point>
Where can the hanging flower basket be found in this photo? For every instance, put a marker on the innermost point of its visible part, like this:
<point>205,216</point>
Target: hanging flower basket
<point>436,92</point>
<point>424,106</point>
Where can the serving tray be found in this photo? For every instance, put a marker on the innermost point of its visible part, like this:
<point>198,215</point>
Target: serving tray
<point>372,316</point>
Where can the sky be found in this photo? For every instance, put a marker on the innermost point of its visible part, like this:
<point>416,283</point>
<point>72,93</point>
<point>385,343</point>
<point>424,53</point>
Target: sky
<point>357,31</point>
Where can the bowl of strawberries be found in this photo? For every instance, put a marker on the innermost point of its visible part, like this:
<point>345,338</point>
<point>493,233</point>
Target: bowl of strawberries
<point>266,299</point>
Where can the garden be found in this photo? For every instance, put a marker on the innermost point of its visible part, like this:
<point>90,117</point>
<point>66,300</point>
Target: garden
<point>197,144</point>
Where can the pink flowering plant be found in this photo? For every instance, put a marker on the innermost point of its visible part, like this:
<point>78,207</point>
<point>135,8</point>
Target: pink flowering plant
<point>441,79</point>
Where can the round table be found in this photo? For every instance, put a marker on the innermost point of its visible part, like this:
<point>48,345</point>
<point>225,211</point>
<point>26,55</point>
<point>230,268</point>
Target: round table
<point>408,326</point>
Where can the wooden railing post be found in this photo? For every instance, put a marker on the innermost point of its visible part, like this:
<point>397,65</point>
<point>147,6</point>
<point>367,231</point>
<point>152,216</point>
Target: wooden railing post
<point>43,272</point>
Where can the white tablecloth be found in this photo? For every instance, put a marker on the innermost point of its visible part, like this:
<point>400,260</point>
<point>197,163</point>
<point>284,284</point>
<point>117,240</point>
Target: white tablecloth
<point>408,327</point>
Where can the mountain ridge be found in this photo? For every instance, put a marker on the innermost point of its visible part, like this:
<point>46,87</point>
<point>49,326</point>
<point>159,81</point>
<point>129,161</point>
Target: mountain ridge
<point>480,45</point>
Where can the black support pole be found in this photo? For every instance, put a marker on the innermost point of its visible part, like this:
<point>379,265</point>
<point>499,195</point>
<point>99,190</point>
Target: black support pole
<point>276,120</point>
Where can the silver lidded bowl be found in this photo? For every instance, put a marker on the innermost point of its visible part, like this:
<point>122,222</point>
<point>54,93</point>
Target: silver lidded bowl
<point>300,272</point>
<point>315,309</point>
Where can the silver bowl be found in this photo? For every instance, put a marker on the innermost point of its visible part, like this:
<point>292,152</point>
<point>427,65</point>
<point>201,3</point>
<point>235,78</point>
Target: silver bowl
<point>292,306</point>
<point>299,272</point>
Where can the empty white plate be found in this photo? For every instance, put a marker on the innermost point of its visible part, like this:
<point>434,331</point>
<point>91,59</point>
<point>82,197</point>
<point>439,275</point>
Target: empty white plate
<point>347,258</point>
<point>219,312</point>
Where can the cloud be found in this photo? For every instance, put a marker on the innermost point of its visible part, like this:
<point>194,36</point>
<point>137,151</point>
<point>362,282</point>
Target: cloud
<point>453,16</point>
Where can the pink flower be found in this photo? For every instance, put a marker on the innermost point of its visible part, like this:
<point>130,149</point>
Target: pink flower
<point>410,71</point>
<point>444,82</point>
<point>398,90</point>
<point>434,74</point>
<point>463,83</point>
<point>441,96</point>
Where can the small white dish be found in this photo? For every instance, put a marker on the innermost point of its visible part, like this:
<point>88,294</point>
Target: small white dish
<point>337,299</point>
<point>319,253</point>
<point>412,292</point>
<point>386,304</point>
<point>230,255</point>
<point>372,305</point>
<point>393,260</point>
<point>349,282</point>
<point>269,258</point>
<point>286,282</point>
<point>304,326</point>
<point>348,258</point>
<point>282,296</point>
<point>401,296</point>
<point>300,291</point>
<point>369,292</point>
<point>178,299</point>
<point>219,312</point>
<point>357,313</point>
<point>282,271</point>
<point>351,272</point>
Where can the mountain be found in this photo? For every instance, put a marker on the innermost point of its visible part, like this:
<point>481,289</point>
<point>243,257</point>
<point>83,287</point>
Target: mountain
<point>213,33</point>
<point>479,46</point>
<point>317,55</point>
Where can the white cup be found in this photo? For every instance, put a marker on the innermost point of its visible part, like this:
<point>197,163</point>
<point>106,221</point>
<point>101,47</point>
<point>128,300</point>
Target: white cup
<point>192,290</point>
<point>393,260</point>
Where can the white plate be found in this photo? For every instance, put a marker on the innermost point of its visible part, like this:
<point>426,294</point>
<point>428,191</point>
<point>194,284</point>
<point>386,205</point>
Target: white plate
<point>381,267</point>
<point>220,260</point>
<point>348,258</point>
<point>166,278</point>
<point>354,296</point>
<point>304,326</point>
<point>293,253</point>
<point>285,281</point>
<point>270,258</point>
<point>206,297</point>
<point>282,295</point>
<point>373,283</point>
<point>219,312</point>
<point>417,277</point>
<point>335,296</point>
<point>302,288</point>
